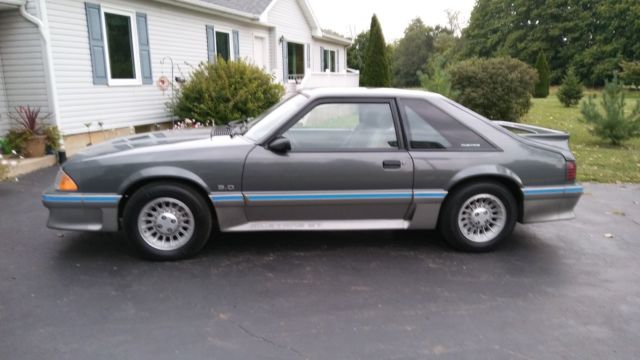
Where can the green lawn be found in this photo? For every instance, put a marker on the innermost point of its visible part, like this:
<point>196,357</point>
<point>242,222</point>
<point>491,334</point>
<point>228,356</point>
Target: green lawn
<point>597,161</point>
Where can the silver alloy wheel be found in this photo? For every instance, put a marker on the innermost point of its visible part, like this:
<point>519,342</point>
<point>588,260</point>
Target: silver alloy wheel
<point>166,223</point>
<point>482,218</point>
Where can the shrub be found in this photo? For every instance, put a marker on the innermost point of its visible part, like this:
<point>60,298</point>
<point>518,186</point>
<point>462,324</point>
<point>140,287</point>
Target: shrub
<point>377,71</point>
<point>225,91</point>
<point>5,148</point>
<point>631,73</point>
<point>614,126</point>
<point>542,86</point>
<point>16,139</point>
<point>571,91</point>
<point>437,79</point>
<point>498,88</point>
<point>53,137</point>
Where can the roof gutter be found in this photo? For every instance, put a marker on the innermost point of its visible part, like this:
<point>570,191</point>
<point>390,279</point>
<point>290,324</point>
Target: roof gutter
<point>200,5</point>
<point>334,39</point>
<point>43,28</point>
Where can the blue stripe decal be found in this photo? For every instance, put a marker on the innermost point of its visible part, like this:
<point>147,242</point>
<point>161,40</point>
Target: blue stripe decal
<point>113,199</point>
<point>226,197</point>
<point>329,197</point>
<point>435,195</point>
<point>555,190</point>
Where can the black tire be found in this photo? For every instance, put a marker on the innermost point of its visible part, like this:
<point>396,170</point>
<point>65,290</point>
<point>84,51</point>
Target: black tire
<point>450,229</point>
<point>196,204</point>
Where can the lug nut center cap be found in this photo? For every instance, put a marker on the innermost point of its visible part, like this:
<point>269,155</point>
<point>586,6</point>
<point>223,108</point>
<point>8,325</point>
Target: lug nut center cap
<point>166,223</point>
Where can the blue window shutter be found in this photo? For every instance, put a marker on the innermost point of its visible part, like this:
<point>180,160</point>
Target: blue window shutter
<point>236,44</point>
<point>143,45</point>
<point>308,47</point>
<point>337,60</point>
<point>96,44</point>
<point>321,59</point>
<point>211,44</point>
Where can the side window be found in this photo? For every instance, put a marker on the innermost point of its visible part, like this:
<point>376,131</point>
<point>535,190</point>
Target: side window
<point>345,126</point>
<point>430,128</point>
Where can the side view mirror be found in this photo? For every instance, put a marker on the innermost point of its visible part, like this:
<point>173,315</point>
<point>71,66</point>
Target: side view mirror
<point>280,145</point>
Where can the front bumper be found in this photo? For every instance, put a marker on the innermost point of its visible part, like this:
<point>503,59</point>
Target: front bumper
<point>550,203</point>
<point>82,212</point>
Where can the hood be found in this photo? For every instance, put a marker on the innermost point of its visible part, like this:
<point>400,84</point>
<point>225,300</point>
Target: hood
<point>156,142</point>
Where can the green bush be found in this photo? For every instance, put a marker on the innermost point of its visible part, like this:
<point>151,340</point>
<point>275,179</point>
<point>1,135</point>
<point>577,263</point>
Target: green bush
<point>614,126</point>
<point>571,90</point>
<point>5,148</point>
<point>225,91</point>
<point>498,88</point>
<point>437,79</point>
<point>377,68</point>
<point>53,137</point>
<point>15,140</point>
<point>631,73</point>
<point>542,86</point>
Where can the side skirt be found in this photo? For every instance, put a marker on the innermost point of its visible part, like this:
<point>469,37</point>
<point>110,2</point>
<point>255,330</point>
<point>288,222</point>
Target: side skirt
<point>337,225</point>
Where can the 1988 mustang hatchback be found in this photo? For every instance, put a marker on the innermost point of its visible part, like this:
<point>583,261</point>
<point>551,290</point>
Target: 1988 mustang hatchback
<point>324,159</point>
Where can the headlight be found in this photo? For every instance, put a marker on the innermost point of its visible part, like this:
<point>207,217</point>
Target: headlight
<point>64,182</point>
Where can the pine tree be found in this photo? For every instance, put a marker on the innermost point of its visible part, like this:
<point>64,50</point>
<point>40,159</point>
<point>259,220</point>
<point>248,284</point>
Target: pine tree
<point>615,125</point>
<point>570,91</point>
<point>376,72</point>
<point>542,86</point>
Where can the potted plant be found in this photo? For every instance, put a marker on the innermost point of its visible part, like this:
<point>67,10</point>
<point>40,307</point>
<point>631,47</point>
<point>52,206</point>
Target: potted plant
<point>29,124</point>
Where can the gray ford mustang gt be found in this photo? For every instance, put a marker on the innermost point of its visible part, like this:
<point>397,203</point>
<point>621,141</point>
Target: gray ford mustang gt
<point>324,159</point>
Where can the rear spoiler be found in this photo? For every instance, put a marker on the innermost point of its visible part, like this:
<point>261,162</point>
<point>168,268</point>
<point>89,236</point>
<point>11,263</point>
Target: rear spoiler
<point>556,138</point>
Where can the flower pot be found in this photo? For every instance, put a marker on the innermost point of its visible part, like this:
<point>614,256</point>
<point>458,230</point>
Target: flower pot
<point>35,146</point>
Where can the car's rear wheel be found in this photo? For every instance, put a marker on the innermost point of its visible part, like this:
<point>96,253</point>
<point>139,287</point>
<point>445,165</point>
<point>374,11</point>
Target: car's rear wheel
<point>167,221</point>
<point>478,217</point>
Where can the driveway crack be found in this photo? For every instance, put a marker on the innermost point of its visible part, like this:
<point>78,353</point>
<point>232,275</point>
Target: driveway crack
<point>270,342</point>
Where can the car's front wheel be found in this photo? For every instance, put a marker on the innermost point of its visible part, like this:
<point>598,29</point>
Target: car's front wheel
<point>479,216</point>
<point>167,221</point>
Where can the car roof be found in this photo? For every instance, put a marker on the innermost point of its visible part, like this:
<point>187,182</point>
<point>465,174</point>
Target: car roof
<point>366,92</point>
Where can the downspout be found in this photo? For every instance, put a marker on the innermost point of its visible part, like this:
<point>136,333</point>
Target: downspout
<point>48,63</point>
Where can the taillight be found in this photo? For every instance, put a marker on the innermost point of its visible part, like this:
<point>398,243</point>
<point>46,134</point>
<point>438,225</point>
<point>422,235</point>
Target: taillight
<point>571,170</point>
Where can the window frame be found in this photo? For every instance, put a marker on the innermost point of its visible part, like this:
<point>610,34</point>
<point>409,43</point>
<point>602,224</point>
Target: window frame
<point>304,57</point>
<point>406,129</point>
<point>217,30</point>
<point>134,46</point>
<point>335,60</point>
<point>393,106</point>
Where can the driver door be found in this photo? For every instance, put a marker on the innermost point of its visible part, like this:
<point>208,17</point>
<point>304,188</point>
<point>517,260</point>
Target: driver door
<point>346,162</point>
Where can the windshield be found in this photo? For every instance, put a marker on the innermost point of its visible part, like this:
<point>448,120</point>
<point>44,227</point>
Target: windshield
<point>261,127</point>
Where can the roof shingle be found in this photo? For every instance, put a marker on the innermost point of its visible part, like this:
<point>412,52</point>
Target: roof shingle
<point>255,7</point>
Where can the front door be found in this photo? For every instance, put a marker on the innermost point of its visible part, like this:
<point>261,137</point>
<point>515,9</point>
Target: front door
<point>346,164</point>
<point>259,52</point>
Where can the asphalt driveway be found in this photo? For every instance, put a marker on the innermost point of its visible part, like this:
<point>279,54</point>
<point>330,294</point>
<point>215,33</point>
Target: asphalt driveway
<point>568,290</point>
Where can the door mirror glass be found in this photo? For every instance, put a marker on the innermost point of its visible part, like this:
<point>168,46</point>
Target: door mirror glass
<point>280,145</point>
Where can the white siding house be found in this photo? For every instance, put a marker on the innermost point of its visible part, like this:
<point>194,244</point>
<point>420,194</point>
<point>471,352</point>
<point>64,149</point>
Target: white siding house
<point>99,61</point>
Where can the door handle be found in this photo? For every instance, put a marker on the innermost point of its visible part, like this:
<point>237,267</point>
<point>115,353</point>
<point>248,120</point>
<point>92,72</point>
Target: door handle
<point>392,164</point>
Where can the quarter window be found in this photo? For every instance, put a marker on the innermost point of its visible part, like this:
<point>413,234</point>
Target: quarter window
<point>345,126</point>
<point>431,128</point>
<point>121,39</point>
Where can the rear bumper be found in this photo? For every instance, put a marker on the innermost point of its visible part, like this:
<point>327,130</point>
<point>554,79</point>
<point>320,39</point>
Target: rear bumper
<point>550,203</point>
<point>82,212</point>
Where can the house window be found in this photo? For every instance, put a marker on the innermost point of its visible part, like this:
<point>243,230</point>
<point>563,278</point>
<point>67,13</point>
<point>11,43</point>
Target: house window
<point>295,61</point>
<point>123,66</point>
<point>223,45</point>
<point>329,60</point>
